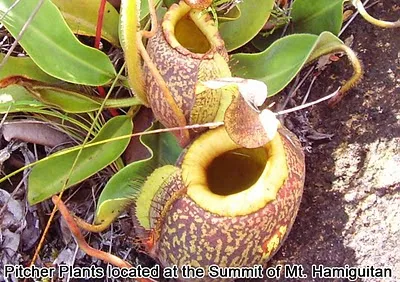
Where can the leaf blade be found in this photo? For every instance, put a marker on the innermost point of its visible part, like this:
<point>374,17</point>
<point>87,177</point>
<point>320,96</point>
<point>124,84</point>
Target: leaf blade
<point>279,63</point>
<point>309,16</point>
<point>254,14</point>
<point>15,98</point>
<point>81,17</point>
<point>48,177</point>
<point>24,66</point>
<point>70,60</point>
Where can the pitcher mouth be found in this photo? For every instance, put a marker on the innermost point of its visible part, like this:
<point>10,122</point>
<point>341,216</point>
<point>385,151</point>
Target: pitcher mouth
<point>235,171</point>
<point>228,180</point>
<point>191,32</point>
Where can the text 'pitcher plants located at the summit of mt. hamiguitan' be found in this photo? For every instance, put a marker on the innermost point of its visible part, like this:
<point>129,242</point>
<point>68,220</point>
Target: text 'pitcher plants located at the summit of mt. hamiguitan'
<point>237,183</point>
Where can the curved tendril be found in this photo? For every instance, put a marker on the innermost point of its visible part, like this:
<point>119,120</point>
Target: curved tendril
<point>355,78</point>
<point>385,24</point>
<point>73,227</point>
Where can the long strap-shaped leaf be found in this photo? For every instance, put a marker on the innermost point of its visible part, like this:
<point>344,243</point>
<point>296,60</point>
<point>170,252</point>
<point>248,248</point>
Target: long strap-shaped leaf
<point>53,47</point>
<point>145,9</point>
<point>67,100</point>
<point>279,64</point>
<point>48,177</point>
<point>254,14</point>
<point>81,17</point>
<point>26,67</point>
<point>310,16</point>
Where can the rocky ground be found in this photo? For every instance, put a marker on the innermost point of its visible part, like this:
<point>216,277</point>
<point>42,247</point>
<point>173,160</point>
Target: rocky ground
<point>350,213</point>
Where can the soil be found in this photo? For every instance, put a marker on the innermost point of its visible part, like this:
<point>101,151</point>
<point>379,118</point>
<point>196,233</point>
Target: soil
<point>350,213</point>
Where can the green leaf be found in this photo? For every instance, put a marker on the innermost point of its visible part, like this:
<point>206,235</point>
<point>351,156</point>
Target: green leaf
<point>124,185</point>
<point>307,17</point>
<point>164,148</point>
<point>15,98</point>
<point>48,177</point>
<point>232,15</point>
<point>310,16</point>
<point>326,43</point>
<point>53,47</point>
<point>262,42</point>
<point>75,102</point>
<point>144,8</point>
<point>254,14</point>
<point>169,3</point>
<point>67,100</point>
<point>26,67</point>
<point>279,63</point>
<point>81,16</point>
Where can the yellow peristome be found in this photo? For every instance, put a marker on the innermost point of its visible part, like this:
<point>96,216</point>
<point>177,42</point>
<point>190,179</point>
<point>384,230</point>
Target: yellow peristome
<point>250,199</point>
<point>186,23</point>
<point>169,25</point>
